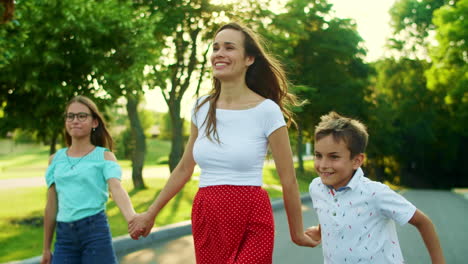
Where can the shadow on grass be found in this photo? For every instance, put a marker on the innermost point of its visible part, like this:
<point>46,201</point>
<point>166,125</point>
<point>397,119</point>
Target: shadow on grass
<point>25,162</point>
<point>18,232</point>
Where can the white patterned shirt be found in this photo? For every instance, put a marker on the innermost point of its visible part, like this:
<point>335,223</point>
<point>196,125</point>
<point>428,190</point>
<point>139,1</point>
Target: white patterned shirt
<point>358,221</point>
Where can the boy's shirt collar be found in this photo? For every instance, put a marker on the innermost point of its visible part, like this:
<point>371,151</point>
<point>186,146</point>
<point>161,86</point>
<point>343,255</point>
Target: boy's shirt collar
<point>352,183</point>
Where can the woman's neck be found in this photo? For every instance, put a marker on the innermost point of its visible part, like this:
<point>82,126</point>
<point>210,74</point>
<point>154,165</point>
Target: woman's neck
<point>233,93</point>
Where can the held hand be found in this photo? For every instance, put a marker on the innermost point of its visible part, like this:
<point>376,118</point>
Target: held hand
<point>135,235</point>
<point>305,241</point>
<point>140,225</point>
<point>314,233</point>
<point>46,257</point>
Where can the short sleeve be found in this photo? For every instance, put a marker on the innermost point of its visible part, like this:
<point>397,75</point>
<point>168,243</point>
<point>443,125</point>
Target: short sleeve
<point>394,206</point>
<point>274,118</point>
<point>50,175</point>
<point>196,114</point>
<point>112,170</point>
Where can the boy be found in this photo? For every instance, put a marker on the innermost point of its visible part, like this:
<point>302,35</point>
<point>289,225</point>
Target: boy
<point>356,214</point>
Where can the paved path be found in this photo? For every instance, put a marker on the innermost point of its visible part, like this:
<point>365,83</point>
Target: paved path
<point>448,211</point>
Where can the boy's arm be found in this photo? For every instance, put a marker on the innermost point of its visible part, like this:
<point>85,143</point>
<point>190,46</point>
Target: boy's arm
<point>428,233</point>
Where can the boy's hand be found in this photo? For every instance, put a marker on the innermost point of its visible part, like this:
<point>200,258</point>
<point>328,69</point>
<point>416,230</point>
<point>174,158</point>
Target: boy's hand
<point>314,232</point>
<point>306,241</point>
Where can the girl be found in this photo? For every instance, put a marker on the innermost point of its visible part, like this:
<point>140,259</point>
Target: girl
<point>232,219</point>
<point>78,179</point>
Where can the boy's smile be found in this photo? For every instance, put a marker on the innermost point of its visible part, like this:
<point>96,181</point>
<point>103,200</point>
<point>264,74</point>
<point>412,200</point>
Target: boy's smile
<point>333,162</point>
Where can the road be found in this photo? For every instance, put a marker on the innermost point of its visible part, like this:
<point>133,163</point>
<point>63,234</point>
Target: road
<point>448,211</point>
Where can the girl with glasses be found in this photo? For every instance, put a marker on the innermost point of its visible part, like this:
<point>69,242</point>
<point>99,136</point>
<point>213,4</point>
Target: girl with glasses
<point>79,179</point>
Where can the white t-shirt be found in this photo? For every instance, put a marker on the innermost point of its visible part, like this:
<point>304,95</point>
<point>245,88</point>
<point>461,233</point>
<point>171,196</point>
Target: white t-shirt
<point>358,221</point>
<point>238,158</point>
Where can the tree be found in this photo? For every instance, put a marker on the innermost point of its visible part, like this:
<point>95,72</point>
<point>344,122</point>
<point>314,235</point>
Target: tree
<point>8,7</point>
<point>425,97</point>
<point>325,60</point>
<point>70,47</point>
<point>184,28</point>
<point>412,24</point>
<point>448,72</point>
<point>448,76</point>
<point>49,56</point>
<point>133,46</point>
<point>401,86</point>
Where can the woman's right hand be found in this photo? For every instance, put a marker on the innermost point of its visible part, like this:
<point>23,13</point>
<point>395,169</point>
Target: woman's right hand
<point>46,257</point>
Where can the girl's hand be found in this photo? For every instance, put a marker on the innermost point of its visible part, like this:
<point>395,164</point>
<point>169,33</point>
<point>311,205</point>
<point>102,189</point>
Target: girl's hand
<point>46,257</point>
<point>140,225</point>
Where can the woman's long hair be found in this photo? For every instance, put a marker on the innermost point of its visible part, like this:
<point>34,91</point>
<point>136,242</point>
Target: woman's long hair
<point>265,77</point>
<point>100,136</point>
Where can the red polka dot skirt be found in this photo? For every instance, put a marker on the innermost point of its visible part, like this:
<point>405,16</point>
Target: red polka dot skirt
<point>232,224</point>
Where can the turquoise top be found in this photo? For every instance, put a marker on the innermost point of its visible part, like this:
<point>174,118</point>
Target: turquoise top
<point>81,183</point>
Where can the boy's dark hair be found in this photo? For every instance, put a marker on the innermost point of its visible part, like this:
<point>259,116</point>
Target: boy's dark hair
<point>351,131</point>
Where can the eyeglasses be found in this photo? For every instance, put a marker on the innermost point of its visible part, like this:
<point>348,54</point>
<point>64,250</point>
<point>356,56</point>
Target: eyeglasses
<point>81,116</point>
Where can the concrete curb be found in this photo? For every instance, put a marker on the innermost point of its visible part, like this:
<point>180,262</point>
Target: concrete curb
<point>125,244</point>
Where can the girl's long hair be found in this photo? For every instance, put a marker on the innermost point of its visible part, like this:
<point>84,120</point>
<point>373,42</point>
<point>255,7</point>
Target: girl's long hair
<point>101,136</point>
<point>265,77</point>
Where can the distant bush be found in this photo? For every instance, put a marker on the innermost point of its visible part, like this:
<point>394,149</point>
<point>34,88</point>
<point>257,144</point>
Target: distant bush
<point>22,136</point>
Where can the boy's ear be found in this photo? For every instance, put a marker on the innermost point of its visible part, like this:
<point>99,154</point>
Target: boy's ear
<point>358,160</point>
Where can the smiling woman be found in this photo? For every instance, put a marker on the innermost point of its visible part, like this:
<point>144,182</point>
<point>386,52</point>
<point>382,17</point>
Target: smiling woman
<point>231,130</point>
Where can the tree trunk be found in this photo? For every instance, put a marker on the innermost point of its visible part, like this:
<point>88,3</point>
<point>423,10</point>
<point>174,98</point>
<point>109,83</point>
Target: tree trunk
<point>299,148</point>
<point>53,143</point>
<point>138,155</point>
<point>177,137</point>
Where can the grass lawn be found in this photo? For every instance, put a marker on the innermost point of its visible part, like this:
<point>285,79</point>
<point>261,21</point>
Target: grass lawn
<point>25,160</point>
<point>30,160</point>
<point>21,209</point>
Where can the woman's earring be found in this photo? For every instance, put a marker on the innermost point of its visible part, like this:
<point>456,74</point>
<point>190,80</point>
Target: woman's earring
<point>94,129</point>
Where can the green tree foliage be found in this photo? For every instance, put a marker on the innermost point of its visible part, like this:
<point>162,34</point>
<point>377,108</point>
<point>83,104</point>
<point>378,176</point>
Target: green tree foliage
<point>419,111</point>
<point>412,22</point>
<point>324,56</point>
<point>184,27</point>
<point>51,53</point>
<point>449,71</point>
<point>403,124</point>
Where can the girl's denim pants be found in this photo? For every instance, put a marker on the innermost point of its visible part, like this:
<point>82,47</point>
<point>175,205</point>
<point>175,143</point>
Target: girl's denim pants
<point>85,241</point>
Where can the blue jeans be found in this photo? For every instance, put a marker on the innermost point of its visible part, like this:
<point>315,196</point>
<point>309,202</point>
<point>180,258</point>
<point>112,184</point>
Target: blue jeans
<point>85,241</point>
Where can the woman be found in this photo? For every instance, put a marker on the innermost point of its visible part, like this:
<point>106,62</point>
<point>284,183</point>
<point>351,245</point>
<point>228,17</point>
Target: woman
<point>232,219</point>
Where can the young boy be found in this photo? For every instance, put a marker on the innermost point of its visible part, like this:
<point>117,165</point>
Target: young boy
<point>356,214</point>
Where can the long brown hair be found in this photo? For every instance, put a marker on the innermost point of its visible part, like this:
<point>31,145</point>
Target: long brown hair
<point>100,136</point>
<point>265,77</point>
